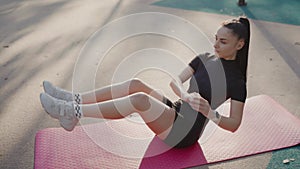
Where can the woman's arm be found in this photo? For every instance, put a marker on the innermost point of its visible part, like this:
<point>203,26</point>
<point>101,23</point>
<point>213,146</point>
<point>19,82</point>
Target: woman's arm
<point>177,84</point>
<point>233,122</point>
<point>230,123</point>
<point>199,104</point>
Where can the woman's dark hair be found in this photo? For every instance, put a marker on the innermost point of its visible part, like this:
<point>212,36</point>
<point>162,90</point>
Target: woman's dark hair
<point>241,28</point>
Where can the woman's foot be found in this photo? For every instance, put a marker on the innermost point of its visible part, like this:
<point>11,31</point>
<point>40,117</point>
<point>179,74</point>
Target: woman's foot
<point>60,93</point>
<point>67,113</point>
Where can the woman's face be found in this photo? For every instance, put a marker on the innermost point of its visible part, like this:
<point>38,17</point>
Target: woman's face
<point>227,44</point>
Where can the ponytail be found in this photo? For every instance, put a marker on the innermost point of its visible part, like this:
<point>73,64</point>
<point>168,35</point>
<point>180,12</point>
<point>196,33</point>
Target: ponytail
<point>242,54</point>
<point>241,27</point>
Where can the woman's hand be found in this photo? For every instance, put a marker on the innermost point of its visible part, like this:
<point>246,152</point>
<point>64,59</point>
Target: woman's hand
<point>230,123</point>
<point>185,97</point>
<point>177,82</point>
<point>198,103</point>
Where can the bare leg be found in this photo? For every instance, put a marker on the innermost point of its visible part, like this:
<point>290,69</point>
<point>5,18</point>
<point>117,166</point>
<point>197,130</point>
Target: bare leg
<point>119,90</point>
<point>158,117</point>
<point>115,102</point>
<point>105,93</point>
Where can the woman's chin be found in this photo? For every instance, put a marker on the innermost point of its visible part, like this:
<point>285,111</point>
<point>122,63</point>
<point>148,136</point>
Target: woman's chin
<point>217,55</point>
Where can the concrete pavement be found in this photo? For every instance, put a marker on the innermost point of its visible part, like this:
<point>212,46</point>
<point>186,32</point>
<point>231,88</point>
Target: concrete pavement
<point>41,40</point>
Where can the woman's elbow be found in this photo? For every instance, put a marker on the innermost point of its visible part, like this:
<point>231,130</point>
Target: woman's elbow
<point>171,83</point>
<point>235,127</point>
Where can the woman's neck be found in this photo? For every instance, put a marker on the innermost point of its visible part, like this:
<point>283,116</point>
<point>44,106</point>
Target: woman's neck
<point>233,57</point>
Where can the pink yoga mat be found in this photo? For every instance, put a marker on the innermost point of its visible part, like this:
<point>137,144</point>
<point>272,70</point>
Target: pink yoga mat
<point>125,143</point>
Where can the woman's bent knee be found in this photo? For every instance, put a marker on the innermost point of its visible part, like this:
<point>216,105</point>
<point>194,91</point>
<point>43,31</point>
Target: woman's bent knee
<point>140,101</point>
<point>135,83</point>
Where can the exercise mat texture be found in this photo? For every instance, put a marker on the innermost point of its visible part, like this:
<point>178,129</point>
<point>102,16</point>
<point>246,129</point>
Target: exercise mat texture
<point>266,126</point>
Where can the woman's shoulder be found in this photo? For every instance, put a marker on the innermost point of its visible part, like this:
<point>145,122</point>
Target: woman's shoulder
<point>204,57</point>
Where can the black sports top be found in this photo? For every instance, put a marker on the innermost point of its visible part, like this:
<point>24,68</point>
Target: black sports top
<point>217,80</point>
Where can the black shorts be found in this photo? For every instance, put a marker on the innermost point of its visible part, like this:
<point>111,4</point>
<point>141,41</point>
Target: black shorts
<point>187,127</point>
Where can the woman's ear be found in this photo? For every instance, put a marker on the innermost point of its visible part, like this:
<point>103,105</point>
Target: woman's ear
<point>240,44</point>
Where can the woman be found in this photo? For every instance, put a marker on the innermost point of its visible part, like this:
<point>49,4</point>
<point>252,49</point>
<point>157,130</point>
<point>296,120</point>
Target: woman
<point>178,124</point>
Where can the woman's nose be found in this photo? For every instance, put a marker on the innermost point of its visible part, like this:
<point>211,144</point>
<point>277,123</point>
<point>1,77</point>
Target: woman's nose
<point>216,45</point>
